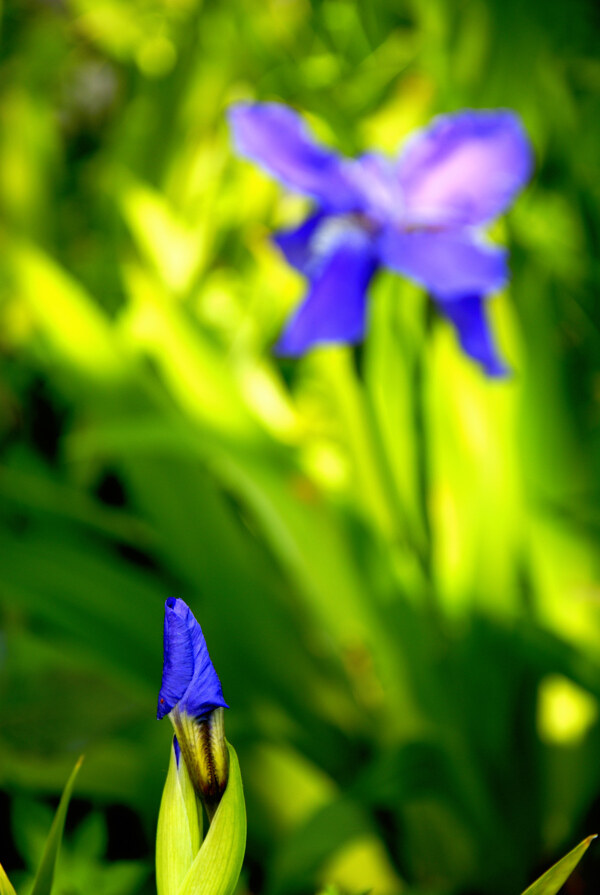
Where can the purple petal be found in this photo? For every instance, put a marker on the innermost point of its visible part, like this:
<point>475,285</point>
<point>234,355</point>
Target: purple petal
<point>465,169</point>
<point>334,310</point>
<point>298,245</point>
<point>277,139</point>
<point>448,263</point>
<point>474,334</point>
<point>189,679</point>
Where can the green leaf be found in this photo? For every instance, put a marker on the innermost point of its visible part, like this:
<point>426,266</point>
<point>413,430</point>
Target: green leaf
<point>173,249</point>
<point>217,865</point>
<point>553,879</point>
<point>45,874</point>
<point>77,332</point>
<point>179,830</point>
<point>5,884</point>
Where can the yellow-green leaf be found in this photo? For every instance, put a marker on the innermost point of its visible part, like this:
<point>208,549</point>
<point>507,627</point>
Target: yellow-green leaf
<point>217,866</point>
<point>553,879</point>
<point>174,250</point>
<point>80,334</point>
<point>45,874</point>
<point>179,830</point>
<point>6,887</point>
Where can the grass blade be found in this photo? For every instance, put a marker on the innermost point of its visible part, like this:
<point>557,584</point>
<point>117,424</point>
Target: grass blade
<point>45,874</point>
<point>553,879</point>
<point>6,887</point>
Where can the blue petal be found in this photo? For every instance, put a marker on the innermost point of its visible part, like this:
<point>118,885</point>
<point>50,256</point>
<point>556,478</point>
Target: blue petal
<point>334,310</point>
<point>449,263</point>
<point>474,334</point>
<point>189,679</point>
<point>276,138</point>
<point>298,245</point>
<point>464,169</point>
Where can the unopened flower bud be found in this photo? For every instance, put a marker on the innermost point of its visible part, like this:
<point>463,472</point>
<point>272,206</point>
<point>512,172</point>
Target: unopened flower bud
<point>192,697</point>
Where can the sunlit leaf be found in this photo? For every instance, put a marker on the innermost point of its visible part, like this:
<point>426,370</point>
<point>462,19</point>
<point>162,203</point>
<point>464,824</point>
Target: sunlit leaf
<point>174,250</point>
<point>179,829</point>
<point>6,887</point>
<point>553,879</point>
<point>72,324</point>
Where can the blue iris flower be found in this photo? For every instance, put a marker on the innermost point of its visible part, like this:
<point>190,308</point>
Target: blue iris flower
<point>422,215</point>
<point>189,680</point>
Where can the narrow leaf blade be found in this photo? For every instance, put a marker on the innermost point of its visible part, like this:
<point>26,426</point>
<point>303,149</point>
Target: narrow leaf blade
<point>6,887</point>
<point>553,879</point>
<point>45,874</point>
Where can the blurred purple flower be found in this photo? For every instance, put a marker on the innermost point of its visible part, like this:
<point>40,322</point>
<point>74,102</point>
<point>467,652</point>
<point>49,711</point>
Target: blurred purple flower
<point>421,215</point>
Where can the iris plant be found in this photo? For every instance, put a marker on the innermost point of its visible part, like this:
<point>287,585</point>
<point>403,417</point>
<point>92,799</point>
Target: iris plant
<point>203,766</point>
<point>422,215</point>
<point>192,697</point>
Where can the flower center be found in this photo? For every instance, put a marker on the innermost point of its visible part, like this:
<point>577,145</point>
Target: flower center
<point>341,229</point>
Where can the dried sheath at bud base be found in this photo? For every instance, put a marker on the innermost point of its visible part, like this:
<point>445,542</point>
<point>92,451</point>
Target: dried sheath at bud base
<point>204,751</point>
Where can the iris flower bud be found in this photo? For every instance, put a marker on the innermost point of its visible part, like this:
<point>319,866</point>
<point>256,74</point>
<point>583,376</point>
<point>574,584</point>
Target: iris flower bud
<point>203,766</point>
<point>192,697</point>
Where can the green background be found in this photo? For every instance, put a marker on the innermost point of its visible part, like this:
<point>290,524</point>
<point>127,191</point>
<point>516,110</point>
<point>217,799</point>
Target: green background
<point>395,561</point>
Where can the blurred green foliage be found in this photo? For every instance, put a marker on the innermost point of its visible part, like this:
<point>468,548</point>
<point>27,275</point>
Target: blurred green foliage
<point>395,562</point>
